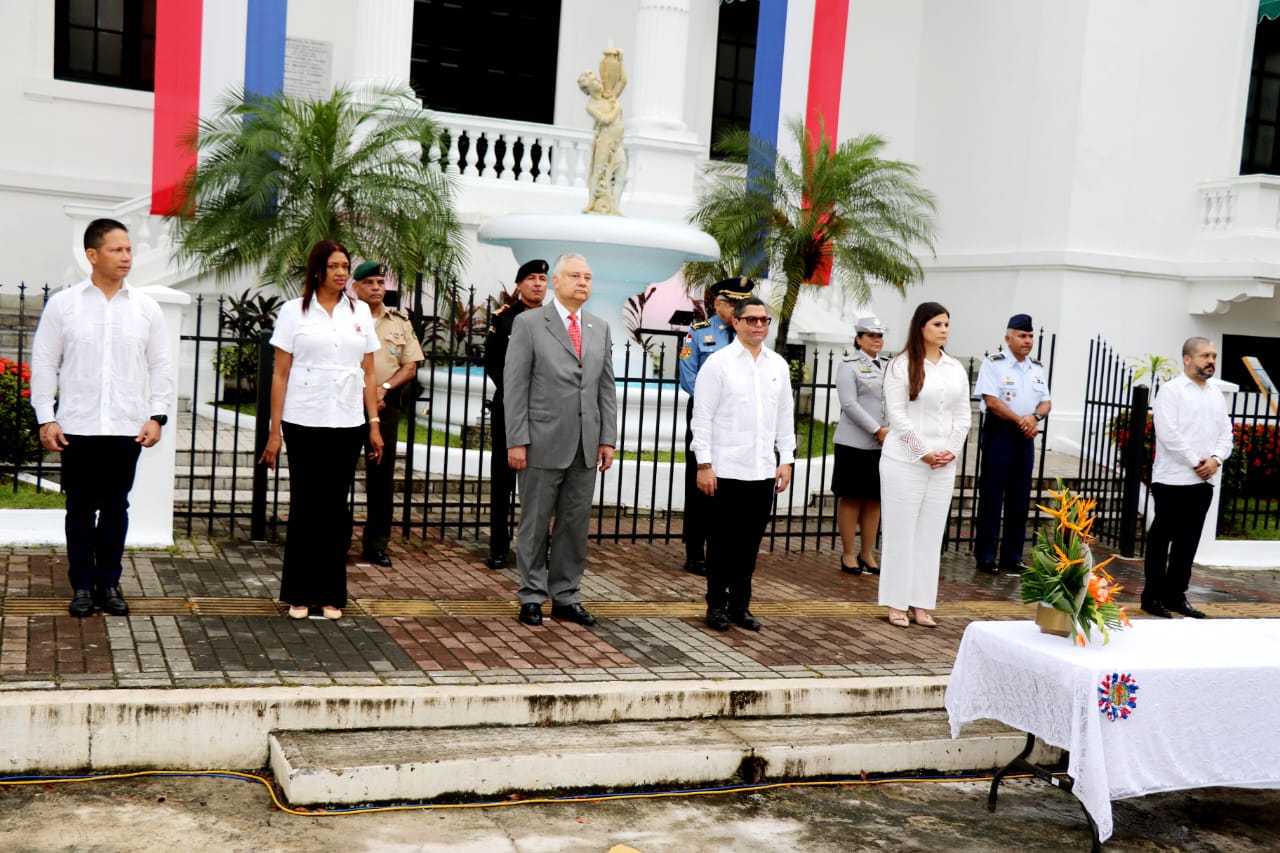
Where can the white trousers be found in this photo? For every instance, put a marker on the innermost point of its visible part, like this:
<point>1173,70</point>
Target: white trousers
<point>914,499</point>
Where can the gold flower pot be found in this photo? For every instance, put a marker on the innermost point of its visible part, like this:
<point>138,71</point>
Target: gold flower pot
<point>1052,621</point>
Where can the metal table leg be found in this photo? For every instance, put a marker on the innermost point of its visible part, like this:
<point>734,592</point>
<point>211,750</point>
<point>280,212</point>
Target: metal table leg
<point>1063,783</point>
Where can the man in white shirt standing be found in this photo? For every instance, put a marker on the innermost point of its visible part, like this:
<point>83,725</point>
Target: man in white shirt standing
<point>102,348</point>
<point>1193,436</point>
<point>745,441</point>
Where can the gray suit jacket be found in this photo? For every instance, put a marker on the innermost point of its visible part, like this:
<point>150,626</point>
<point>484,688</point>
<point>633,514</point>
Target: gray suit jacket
<point>551,399</point>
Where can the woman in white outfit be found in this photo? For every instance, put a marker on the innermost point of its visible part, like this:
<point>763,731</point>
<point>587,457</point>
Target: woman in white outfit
<point>926,395</point>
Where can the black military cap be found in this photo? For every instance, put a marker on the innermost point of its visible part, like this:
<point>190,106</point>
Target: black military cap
<point>1020,323</point>
<point>534,267</point>
<point>733,288</point>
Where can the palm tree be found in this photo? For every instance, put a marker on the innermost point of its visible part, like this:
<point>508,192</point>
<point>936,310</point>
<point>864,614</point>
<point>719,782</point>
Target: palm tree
<point>843,204</point>
<point>276,174</point>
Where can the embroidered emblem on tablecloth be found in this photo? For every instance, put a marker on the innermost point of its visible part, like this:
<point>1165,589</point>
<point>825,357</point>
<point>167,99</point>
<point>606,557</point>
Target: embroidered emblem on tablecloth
<point>1117,696</point>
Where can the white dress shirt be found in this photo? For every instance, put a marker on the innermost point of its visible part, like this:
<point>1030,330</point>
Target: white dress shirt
<point>742,413</point>
<point>326,379</point>
<point>1191,424</point>
<point>937,419</point>
<point>106,360</point>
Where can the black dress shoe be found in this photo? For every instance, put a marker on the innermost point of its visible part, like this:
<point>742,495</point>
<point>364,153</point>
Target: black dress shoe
<point>1011,566</point>
<point>696,567</point>
<point>531,614</point>
<point>851,570</point>
<point>112,601</point>
<point>744,619</point>
<point>81,604</point>
<point>573,613</point>
<point>378,558</point>
<point>989,567</point>
<point>1184,607</point>
<point>496,561</point>
<point>717,619</point>
<point>867,567</point>
<point>1155,608</point>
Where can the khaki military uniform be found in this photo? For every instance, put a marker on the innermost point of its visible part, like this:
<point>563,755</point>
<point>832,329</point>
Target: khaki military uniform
<point>400,346</point>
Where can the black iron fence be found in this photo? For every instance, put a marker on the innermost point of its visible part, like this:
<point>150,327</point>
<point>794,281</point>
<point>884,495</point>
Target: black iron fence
<point>443,472</point>
<point>1250,503</point>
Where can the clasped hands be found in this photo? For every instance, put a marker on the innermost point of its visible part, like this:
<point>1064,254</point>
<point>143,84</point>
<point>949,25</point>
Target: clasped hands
<point>936,459</point>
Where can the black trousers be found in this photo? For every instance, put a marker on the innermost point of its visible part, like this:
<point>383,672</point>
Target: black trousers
<point>1173,540</point>
<point>379,482</point>
<point>322,464</point>
<point>697,505</point>
<point>1008,458</point>
<point>97,475</point>
<point>502,482</point>
<point>738,517</point>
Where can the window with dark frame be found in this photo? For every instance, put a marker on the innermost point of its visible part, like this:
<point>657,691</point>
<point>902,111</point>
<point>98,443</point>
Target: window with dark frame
<point>735,67</point>
<point>493,58</point>
<point>107,42</point>
<point>1261,150</point>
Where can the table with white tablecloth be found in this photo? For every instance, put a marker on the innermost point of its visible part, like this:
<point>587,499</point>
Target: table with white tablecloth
<point>1166,705</point>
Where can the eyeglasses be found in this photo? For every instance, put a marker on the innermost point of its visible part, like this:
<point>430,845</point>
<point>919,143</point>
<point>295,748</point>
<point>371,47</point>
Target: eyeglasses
<point>756,321</point>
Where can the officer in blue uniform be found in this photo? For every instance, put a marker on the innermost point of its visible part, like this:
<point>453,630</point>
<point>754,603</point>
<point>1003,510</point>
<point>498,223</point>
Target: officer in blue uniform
<point>704,338</point>
<point>1015,396</point>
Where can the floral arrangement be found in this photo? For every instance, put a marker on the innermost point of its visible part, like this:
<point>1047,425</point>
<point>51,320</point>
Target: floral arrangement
<point>1062,574</point>
<point>19,441</point>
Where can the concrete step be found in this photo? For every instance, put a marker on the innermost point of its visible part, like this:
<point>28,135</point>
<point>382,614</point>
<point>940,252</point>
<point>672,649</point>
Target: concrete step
<point>345,767</point>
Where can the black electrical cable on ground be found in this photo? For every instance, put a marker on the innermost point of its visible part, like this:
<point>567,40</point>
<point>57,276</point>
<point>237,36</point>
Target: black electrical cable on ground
<point>279,803</point>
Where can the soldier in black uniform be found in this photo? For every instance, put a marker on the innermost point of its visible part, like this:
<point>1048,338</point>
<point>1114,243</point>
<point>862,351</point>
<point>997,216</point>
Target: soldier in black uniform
<point>704,338</point>
<point>531,289</point>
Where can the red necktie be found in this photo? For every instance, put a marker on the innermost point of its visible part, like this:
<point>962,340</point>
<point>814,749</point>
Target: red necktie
<point>575,334</point>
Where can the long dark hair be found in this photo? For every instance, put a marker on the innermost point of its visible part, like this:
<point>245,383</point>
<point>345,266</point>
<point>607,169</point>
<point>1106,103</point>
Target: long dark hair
<point>318,268</point>
<point>913,352</point>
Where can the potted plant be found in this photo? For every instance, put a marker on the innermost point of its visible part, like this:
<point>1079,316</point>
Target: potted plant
<point>1074,595</point>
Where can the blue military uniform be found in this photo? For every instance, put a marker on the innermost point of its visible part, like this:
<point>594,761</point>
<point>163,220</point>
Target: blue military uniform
<point>704,338</point>
<point>1008,457</point>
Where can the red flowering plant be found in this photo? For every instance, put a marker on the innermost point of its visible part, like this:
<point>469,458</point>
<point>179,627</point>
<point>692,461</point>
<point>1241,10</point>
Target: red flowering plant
<point>1253,468</point>
<point>19,435</point>
<point>1062,574</point>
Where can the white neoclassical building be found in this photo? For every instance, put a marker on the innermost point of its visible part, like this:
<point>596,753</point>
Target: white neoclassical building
<point>1104,166</point>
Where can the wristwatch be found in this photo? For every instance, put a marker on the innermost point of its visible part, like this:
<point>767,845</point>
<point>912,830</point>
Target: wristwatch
<point>160,419</point>
<point>1039,417</point>
<point>386,386</point>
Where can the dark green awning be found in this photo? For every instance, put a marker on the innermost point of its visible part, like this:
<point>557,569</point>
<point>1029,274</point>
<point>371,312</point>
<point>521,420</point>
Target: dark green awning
<point>1268,10</point>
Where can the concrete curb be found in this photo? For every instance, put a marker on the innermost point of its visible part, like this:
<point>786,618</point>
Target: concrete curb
<point>229,727</point>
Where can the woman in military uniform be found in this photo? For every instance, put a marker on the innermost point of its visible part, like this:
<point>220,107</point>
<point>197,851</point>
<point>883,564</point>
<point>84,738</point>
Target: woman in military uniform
<point>863,425</point>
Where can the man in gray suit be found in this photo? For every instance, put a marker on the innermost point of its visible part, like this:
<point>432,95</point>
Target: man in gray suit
<point>561,413</point>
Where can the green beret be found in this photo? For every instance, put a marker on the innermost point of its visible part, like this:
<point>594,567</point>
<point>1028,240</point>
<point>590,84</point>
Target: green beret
<point>369,268</point>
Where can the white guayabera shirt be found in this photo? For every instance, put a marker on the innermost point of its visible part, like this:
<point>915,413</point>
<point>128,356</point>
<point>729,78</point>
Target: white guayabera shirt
<point>742,413</point>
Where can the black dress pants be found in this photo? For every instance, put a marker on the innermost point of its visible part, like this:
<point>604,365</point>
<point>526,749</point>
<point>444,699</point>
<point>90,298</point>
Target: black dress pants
<point>739,513</point>
<point>97,475</point>
<point>697,506</point>
<point>502,482</point>
<point>322,464</point>
<point>1008,459</point>
<point>379,483</point>
<point>1173,540</point>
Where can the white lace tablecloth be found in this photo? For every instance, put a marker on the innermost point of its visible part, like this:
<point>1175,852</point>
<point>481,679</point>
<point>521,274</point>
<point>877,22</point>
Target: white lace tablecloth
<point>1205,706</point>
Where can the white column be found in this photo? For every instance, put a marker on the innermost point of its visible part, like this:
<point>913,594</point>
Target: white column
<point>383,43</point>
<point>656,72</point>
<point>151,501</point>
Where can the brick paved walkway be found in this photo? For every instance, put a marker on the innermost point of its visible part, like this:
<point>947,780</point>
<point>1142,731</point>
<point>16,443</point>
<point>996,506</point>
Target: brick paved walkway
<point>204,615</point>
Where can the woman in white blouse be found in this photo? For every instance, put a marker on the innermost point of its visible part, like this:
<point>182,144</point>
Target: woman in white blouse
<point>322,392</point>
<point>926,395</point>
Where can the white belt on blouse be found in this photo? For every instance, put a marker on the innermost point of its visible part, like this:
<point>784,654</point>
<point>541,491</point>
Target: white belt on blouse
<point>346,382</point>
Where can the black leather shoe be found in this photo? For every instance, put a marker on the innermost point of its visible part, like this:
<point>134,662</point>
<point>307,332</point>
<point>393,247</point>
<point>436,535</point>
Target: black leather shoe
<point>531,614</point>
<point>696,567</point>
<point>744,619</point>
<point>1011,566</point>
<point>573,613</point>
<point>851,570</point>
<point>867,567</point>
<point>81,604</point>
<point>496,561</point>
<point>988,567</point>
<point>1184,607</point>
<point>717,619</point>
<point>112,601</point>
<point>378,558</point>
<point>1155,608</point>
